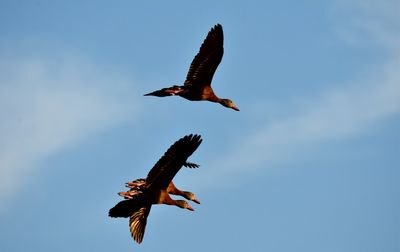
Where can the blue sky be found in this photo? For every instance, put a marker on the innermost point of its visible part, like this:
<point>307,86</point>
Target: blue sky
<point>310,163</point>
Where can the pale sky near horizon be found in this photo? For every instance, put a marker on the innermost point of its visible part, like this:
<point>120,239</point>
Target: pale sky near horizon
<point>310,163</point>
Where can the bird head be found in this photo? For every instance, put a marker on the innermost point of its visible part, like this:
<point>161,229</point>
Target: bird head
<point>190,196</point>
<point>229,104</point>
<point>183,204</point>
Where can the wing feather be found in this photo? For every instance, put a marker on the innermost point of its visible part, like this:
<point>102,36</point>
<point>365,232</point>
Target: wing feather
<point>191,165</point>
<point>173,159</point>
<point>125,208</point>
<point>137,223</point>
<point>206,61</point>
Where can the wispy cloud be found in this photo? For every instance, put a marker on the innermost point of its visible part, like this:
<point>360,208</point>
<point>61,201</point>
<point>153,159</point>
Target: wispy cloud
<point>335,115</point>
<point>360,21</point>
<point>48,104</point>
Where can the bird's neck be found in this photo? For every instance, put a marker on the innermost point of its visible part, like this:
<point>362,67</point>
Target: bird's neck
<point>164,198</point>
<point>173,190</point>
<point>212,97</point>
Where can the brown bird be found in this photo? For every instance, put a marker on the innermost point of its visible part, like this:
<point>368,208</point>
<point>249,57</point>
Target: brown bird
<point>197,86</point>
<point>155,189</point>
<point>138,185</point>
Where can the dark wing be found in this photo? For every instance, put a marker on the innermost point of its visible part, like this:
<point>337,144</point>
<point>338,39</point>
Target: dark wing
<point>169,164</point>
<point>206,61</point>
<point>126,208</point>
<point>137,223</point>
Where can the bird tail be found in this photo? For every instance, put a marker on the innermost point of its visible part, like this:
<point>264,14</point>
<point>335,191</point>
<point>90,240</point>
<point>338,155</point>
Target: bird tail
<point>166,91</point>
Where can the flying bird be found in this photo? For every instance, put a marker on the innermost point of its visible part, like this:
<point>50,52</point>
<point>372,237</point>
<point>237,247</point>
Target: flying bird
<point>155,188</point>
<point>197,86</point>
<point>138,185</point>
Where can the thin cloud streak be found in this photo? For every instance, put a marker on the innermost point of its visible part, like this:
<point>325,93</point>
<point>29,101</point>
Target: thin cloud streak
<point>47,105</point>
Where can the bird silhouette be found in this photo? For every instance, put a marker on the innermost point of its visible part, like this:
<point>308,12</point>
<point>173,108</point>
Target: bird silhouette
<point>155,188</point>
<point>137,186</point>
<point>197,86</point>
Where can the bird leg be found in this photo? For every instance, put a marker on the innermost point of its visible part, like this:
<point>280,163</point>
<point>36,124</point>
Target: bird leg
<point>136,184</point>
<point>129,194</point>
